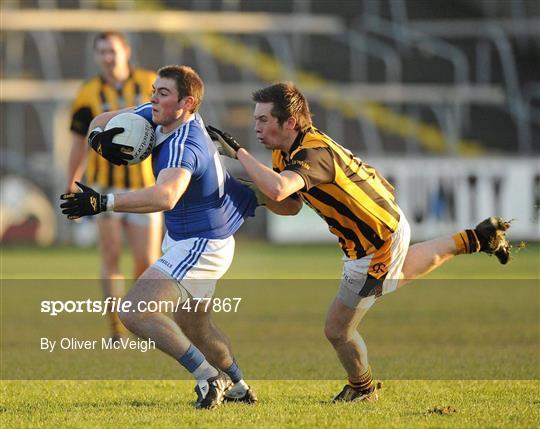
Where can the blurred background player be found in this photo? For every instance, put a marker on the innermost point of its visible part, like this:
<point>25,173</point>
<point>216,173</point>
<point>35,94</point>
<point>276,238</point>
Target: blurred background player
<point>359,206</point>
<point>118,85</point>
<point>204,206</point>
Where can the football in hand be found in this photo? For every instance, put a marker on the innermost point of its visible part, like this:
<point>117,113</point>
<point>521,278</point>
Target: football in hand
<point>138,134</point>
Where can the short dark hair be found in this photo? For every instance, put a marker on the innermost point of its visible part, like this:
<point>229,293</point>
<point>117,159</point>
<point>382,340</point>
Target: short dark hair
<point>288,102</point>
<point>108,34</point>
<point>188,83</point>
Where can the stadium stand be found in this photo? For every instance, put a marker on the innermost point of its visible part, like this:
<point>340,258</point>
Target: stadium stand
<point>388,77</point>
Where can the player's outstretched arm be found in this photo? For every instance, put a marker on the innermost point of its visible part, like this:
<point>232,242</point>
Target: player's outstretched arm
<point>288,207</point>
<point>225,143</point>
<point>164,195</point>
<point>170,185</point>
<point>276,187</point>
<point>261,198</point>
<point>87,202</point>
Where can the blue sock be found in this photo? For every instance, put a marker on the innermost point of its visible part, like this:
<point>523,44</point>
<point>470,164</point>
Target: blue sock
<point>234,372</point>
<point>192,358</point>
<point>195,362</point>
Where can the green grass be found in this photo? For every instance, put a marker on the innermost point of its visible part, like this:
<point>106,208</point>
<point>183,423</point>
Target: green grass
<point>425,341</point>
<point>283,404</point>
<point>257,260</point>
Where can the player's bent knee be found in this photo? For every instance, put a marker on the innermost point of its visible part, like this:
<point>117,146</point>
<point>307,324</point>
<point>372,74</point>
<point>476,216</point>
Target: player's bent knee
<point>335,334</point>
<point>195,333</point>
<point>194,325</point>
<point>128,319</point>
<point>132,319</point>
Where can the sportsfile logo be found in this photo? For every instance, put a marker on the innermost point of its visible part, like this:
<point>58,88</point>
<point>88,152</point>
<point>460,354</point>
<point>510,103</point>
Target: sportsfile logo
<point>119,305</point>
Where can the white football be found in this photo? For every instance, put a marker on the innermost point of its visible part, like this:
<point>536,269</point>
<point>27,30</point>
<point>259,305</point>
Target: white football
<point>138,134</point>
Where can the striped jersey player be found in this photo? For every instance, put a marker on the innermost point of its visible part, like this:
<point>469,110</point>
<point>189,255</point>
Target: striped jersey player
<point>359,206</point>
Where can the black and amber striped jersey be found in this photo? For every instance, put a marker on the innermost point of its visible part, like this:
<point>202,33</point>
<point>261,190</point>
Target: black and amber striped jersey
<point>354,199</point>
<point>95,97</point>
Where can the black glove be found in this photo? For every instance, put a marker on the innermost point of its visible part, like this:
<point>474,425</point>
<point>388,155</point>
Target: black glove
<point>261,198</point>
<point>85,203</point>
<point>225,143</point>
<point>101,142</point>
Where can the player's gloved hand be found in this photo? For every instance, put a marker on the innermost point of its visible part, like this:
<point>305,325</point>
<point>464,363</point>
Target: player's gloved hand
<point>261,198</point>
<point>101,142</point>
<point>225,143</point>
<point>85,203</point>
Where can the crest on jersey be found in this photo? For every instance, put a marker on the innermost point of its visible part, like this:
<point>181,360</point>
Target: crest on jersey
<point>379,267</point>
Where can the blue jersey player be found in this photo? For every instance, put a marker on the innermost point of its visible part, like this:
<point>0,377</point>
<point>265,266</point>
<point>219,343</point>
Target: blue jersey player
<point>204,206</point>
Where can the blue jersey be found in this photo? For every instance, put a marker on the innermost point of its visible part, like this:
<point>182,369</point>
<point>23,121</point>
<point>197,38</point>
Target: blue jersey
<point>214,204</point>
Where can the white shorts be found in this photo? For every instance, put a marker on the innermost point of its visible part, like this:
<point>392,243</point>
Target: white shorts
<point>196,263</point>
<point>365,279</point>
<point>139,219</point>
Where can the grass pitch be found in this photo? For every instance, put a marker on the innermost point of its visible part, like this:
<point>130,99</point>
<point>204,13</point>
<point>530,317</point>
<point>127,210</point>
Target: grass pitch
<point>427,343</point>
<point>292,404</point>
